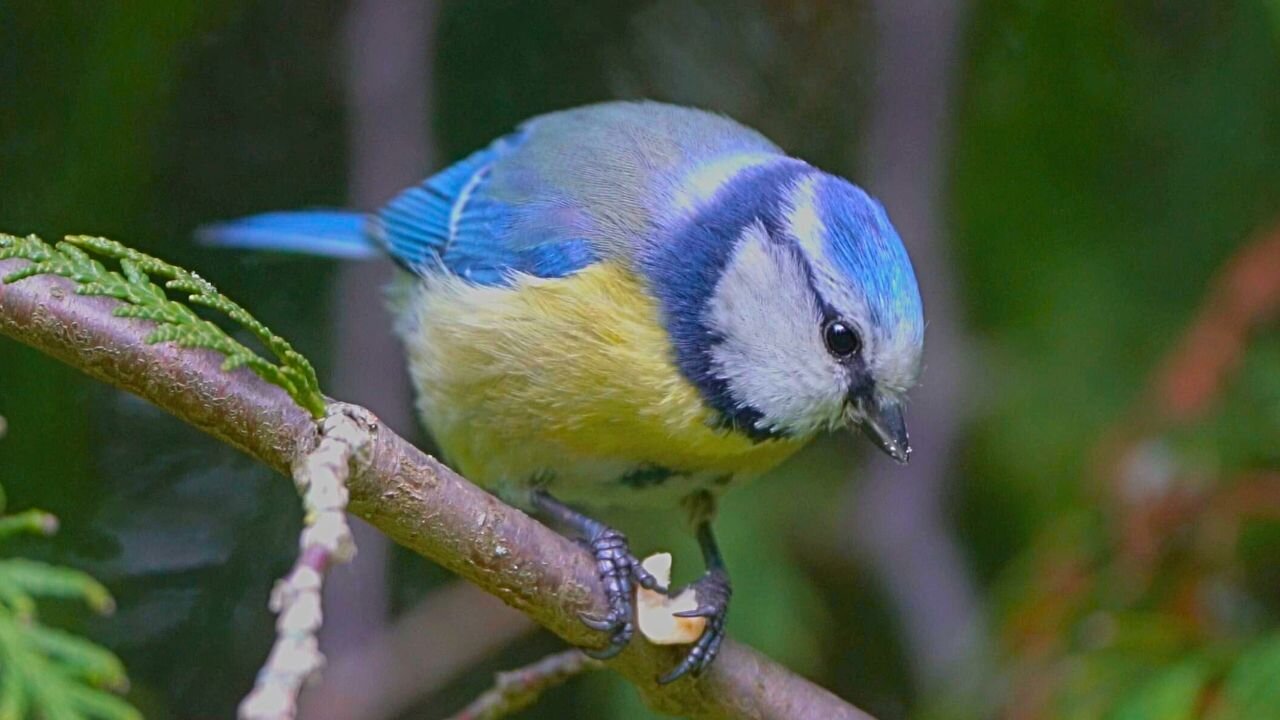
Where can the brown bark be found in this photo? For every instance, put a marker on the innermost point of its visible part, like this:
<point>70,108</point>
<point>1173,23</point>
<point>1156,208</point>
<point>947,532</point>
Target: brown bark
<point>411,497</point>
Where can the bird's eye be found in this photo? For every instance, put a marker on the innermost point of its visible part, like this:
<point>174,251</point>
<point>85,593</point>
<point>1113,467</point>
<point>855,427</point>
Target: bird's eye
<point>841,339</point>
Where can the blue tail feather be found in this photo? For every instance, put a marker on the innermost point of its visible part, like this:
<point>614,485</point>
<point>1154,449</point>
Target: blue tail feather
<point>328,233</point>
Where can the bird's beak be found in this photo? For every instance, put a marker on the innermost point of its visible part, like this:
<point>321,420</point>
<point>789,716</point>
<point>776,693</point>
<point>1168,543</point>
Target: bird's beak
<point>882,421</point>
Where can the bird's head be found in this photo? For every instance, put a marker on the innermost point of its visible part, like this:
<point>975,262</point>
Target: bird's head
<point>793,307</point>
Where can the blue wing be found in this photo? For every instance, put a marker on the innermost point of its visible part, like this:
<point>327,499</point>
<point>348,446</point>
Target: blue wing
<point>452,222</point>
<point>564,191</point>
<point>455,222</point>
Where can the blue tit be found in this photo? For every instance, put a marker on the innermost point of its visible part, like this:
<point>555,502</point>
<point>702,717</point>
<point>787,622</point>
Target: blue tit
<point>636,304</point>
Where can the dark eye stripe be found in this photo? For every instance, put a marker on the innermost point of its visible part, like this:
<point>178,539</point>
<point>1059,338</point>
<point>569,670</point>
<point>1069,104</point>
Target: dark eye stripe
<point>842,341</point>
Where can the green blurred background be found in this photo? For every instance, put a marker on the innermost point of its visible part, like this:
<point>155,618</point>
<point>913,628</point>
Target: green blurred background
<point>1093,527</point>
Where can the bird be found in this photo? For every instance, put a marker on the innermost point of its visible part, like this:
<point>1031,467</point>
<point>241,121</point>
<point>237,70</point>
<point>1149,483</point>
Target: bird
<point>634,304</point>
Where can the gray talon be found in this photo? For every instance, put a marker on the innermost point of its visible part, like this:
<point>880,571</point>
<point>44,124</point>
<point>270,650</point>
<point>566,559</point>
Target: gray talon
<point>618,569</point>
<point>713,592</point>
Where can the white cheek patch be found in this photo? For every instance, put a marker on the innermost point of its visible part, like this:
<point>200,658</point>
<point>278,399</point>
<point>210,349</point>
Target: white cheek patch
<point>771,352</point>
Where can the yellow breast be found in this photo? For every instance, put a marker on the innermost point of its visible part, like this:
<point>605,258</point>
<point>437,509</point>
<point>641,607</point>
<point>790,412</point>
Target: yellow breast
<point>561,375</point>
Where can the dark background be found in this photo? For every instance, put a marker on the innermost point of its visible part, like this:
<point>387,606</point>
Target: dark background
<point>1091,193</point>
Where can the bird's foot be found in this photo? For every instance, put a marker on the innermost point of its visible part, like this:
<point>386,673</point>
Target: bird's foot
<point>619,572</point>
<point>712,591</point>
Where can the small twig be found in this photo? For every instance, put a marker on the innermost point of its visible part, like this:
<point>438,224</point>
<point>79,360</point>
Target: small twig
<point>1149,500</point>
<point>326,540</point>
<point>517,689</point>
<point>1243,296</point>
<point>392,670</point>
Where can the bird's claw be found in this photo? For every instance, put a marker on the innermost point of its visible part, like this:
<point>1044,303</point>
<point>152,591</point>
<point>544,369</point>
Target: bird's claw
<point>712,591</point>
<point>619,571</point>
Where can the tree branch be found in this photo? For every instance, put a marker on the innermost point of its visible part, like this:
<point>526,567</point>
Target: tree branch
<point>411,497</point>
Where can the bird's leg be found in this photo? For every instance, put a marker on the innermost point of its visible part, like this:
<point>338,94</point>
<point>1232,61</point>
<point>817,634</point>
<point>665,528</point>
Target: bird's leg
<point>712,591</point>
<point>618,569</point>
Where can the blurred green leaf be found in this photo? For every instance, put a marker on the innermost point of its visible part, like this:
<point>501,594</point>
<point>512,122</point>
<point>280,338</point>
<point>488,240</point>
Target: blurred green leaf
<point>1251,689</point>
<point>48,673</point>
<point>1274,6</point>
<point>1171,694</point>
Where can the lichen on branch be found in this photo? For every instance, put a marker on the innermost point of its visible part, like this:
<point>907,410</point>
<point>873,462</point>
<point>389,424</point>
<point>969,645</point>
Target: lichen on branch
<point>326,541</point>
